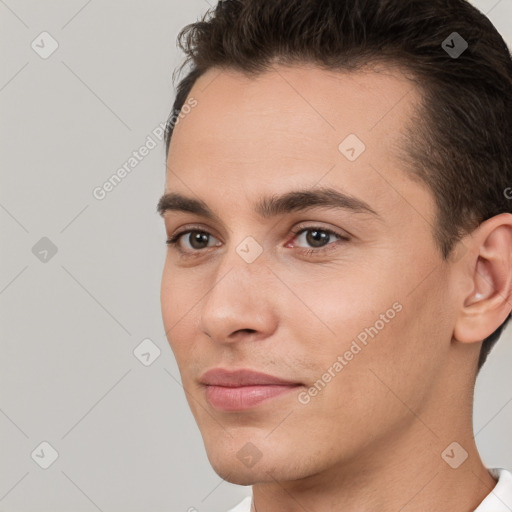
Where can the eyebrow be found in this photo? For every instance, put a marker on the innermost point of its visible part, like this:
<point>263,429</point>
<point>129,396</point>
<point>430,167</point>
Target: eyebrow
<point>272,206</point>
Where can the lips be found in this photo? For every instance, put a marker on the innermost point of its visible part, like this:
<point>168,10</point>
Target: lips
<point>242,389</point>
<point>237,378</point>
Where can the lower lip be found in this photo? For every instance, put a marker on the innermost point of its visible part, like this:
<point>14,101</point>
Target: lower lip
<point>243,397</point>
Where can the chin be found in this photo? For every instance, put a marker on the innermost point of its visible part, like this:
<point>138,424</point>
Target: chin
<point>270,467</point>
<point>236,473</point>
<point>247,456</point>
<point>241,467</point>
<point>236,476</point>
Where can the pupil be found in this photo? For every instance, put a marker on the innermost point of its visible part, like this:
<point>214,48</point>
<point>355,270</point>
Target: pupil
<point>198,237</point>
<point>314,238</point>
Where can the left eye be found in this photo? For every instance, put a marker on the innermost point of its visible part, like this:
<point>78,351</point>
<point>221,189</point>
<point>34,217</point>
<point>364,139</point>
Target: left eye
<point>317,237</point>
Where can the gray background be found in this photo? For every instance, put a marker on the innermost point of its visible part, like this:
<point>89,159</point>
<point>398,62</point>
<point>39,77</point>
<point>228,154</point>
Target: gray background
<point>70,323</point>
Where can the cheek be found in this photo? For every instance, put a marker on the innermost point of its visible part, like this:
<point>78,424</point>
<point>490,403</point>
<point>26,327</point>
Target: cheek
<point>365,326</point>
<point>391,346</point>
<point>179,294</point>
<point>359,372</point>
<point>355,305</point>
<point>177,301</point>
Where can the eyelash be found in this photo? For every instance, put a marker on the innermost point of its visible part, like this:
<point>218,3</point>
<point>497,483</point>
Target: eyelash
<point>173,240</point>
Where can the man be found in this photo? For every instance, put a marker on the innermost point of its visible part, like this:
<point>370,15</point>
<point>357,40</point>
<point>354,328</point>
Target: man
<point>339,262</point>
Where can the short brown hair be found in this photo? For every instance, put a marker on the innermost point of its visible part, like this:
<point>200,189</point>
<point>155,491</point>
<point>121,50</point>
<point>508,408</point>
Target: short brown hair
<point>459,145</point>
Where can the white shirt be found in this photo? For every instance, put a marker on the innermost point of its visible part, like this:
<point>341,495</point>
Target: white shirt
<point>498,500</point>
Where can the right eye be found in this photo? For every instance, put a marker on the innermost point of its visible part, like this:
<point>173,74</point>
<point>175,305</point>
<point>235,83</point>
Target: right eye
<point>197,239</point>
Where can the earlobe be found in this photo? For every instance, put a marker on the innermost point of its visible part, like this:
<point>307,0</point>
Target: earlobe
<point>489,303</point>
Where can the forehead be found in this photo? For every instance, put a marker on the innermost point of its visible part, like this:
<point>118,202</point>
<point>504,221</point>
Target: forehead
<point>288,126</point>
<point>332,102</point>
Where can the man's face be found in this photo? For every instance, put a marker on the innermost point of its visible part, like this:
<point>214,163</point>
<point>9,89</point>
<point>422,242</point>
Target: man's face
<point>361,324</point>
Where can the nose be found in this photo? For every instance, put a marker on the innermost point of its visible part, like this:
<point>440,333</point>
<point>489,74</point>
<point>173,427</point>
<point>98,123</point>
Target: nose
<point>240,305</point>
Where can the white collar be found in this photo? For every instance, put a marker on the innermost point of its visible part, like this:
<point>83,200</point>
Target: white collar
<point>500,498</point>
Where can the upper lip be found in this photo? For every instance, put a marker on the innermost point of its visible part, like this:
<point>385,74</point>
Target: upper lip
<point>243,377</point>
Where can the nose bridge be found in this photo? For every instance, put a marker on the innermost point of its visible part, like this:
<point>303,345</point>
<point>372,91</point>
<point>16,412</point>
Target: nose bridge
<point>244,263</point>
<point>239,297</point>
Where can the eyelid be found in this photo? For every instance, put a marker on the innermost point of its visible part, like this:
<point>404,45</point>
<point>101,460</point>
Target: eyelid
<point>311,226</point>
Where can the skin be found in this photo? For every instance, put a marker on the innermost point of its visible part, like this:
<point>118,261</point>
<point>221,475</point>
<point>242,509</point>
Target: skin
<point>372,439</point>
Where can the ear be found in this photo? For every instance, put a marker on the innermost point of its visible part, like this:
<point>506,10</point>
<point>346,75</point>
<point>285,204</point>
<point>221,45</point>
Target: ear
<point>487,272</point>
